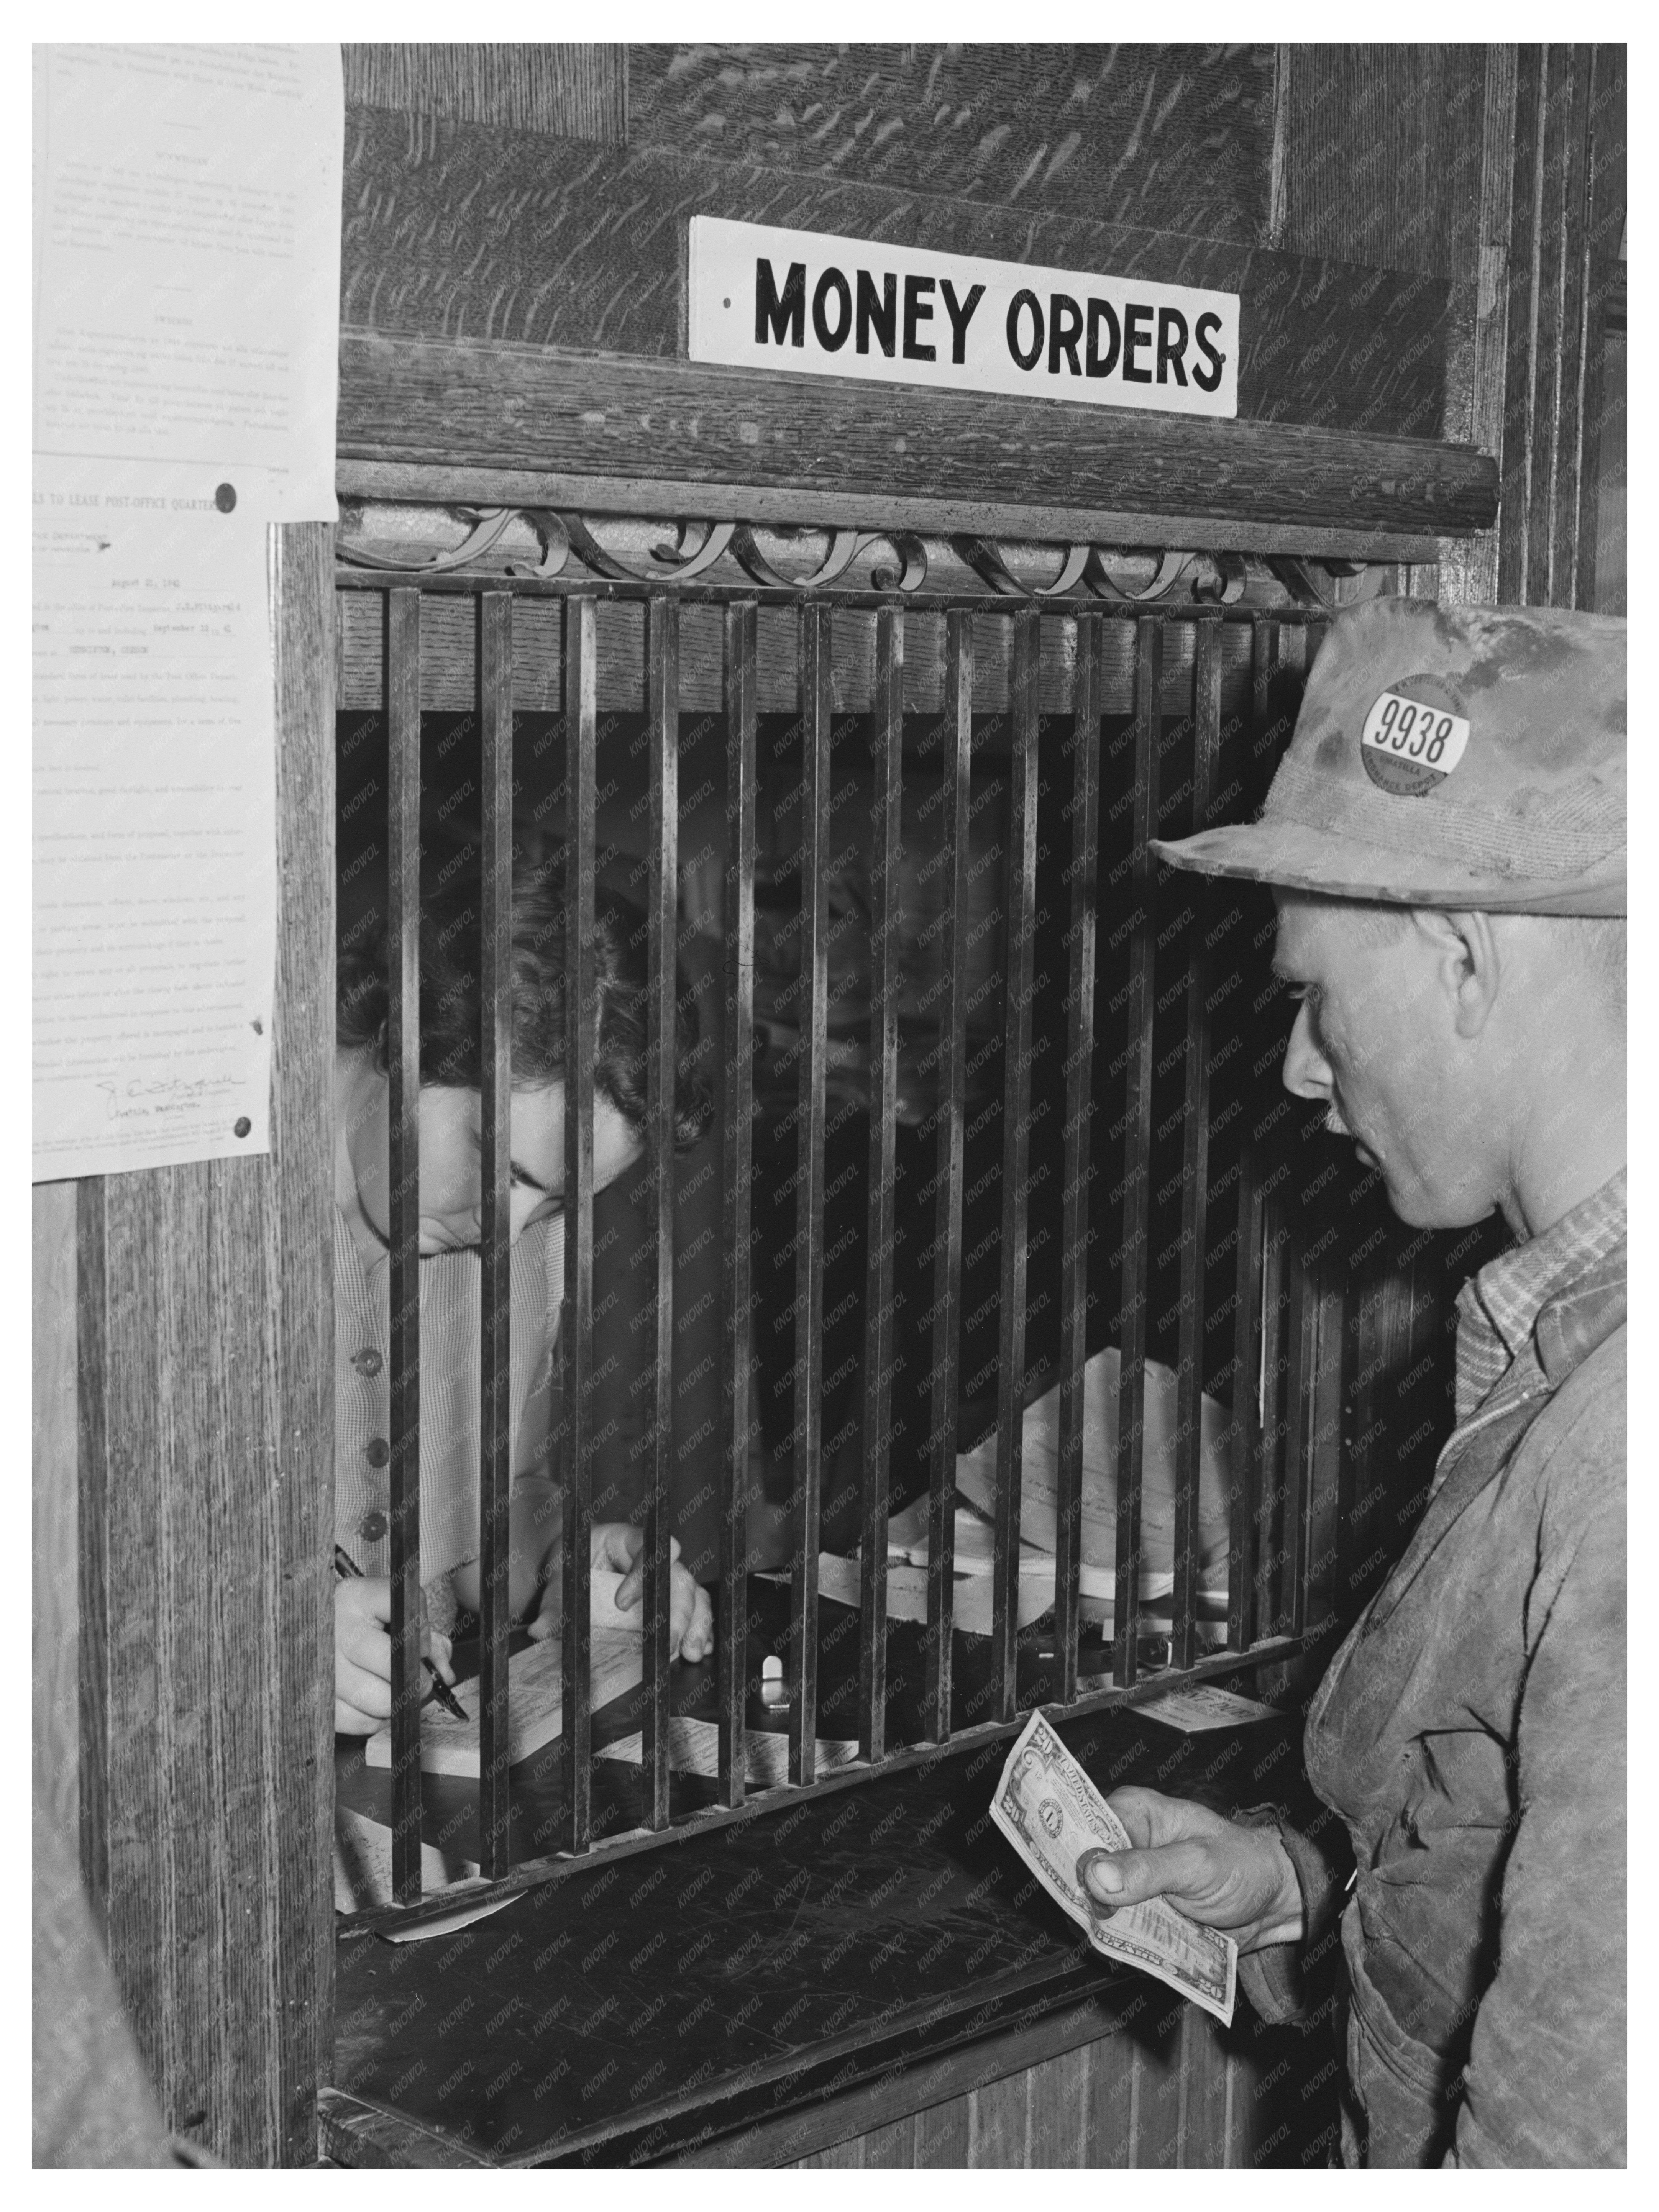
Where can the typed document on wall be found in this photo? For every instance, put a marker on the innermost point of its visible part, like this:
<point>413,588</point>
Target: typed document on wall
<point>186,334</point>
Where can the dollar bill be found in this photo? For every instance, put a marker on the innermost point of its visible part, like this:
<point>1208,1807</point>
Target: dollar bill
<point>1052,1814</point>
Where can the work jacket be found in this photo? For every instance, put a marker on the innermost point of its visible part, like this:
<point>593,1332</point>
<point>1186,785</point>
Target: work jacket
<point>1470,1734</point>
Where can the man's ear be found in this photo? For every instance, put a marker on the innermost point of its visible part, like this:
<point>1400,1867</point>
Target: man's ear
<point>1467,964</point>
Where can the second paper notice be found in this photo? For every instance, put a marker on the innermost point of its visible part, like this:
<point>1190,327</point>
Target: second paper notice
<point>154,828</point>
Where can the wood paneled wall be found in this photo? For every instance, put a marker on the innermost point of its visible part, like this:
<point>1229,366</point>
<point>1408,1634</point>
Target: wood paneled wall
<point>569,89</point>
<point>55,1612</point>
<point>1162,2102</point>
<point>205,1347</point>
<point>1175,2090</point>
<point>1503,170</point>
<point>1171,137</point>
<point>517,290</point>
<point>1383,154</point>
<point>1567,212</point>
<point>464,231</point>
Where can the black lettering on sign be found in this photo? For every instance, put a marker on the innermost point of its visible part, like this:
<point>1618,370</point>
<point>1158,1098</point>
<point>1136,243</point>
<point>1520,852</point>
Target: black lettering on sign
<point>1023,298</point>
<point>1102,311</point>
<point>779,314</point>
<point>961,313</point>
<point>917,310</point>
<point>1137,332</point>
<point>1209,325</point>
<point>1065,329</point>
<point>1171,342</point>
<point>832,285</point>
<point>880,316</point>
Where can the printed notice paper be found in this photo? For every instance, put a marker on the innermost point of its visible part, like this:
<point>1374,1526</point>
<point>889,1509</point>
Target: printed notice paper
<point>187,261</point>
<point>186,237</point>
<point>155,831</point>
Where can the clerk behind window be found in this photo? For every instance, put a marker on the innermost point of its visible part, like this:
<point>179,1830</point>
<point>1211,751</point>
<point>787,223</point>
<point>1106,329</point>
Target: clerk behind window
<point>1445,839</point>
<point>451,1202</point>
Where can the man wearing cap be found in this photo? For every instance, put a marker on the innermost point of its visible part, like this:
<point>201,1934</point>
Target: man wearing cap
<point>1445,841</point>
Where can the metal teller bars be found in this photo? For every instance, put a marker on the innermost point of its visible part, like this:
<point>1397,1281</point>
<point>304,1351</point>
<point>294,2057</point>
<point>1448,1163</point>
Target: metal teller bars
<point>1280,1463</point>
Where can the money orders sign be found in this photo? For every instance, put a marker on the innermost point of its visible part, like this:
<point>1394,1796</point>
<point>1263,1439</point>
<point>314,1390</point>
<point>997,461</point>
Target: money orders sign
<point>822,305</point>
<point>1052,1814</point>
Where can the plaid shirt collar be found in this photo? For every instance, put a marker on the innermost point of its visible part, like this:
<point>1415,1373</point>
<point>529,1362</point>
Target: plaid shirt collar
<point>1498,1308</point>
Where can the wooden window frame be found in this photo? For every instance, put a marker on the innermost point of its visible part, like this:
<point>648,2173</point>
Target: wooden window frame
<point>1086,587</point>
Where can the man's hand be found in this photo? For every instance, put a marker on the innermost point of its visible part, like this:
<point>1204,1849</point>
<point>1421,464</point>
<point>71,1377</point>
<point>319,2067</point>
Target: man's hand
<point>1238,1879</point>
<point>362,1653</point>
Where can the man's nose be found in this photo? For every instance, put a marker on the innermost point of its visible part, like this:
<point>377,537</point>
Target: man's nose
<point>1306,1071</point>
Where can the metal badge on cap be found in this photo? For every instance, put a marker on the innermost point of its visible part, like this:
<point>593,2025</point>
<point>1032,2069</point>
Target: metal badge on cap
<point>1413,737</point>
<point>1507,738</point>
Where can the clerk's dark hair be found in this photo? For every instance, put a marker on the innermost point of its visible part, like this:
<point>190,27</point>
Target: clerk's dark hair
<point>451,944</point>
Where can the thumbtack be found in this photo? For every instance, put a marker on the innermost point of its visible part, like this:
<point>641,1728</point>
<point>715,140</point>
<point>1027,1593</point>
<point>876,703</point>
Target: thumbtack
<point>225,498</point>
<point>241,1126</point>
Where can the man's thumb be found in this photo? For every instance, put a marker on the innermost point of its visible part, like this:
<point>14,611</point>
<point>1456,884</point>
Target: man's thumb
<point>1116,1878</point>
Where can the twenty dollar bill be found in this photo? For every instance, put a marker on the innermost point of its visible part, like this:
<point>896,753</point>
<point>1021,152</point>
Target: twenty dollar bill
<point>1052,1814</point>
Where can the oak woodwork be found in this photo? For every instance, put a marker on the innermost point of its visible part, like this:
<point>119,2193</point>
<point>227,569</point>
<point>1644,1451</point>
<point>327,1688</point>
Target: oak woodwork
<point>206,1337</point>
<point>1001,521</point>
<point>1567,202</point>
<point>510,407</point>
<point>578,91</point>
<point>1175,2090</point>
<point>1383,152</point>
<point>54,1609</point>
<point>1177,137</point>
<point>457,231</point>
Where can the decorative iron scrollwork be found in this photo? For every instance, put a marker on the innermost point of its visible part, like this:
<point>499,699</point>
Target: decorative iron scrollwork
<point>722,552</point>
<point>1225,587</point>
<point>489,524</point>
<point>843,549</point>
<point>987,562</point>
<point>1297,575</point>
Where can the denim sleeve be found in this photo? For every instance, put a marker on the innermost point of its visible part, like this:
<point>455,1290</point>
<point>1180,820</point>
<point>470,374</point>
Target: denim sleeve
<point>1276,1980</point>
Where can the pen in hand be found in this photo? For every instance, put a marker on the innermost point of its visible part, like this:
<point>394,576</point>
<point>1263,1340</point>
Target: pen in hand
<point>348,1571</point>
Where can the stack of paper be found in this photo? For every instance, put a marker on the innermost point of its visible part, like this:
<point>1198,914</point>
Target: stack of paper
<point>535,1704</point>
<point>1039,1479</point>
<point>694,1747</point>
<point>973,1558</point>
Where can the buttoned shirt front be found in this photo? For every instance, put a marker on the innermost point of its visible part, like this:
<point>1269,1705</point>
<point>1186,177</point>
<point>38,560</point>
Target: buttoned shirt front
<point>451,1361</point>
<point>450,1328</point>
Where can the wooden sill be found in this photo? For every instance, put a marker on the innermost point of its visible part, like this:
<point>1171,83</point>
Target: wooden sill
<point>682,2004</point>
<point>516,424</point>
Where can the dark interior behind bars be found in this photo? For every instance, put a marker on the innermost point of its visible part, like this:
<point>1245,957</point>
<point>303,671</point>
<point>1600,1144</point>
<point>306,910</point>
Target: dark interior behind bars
<point>985,1082</point>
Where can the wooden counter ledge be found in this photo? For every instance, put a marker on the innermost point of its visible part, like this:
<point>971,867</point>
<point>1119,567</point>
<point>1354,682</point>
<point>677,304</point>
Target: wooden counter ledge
<point>763,1988</point>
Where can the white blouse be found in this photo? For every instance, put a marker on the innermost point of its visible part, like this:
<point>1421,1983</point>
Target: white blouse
<point>451,1296</point>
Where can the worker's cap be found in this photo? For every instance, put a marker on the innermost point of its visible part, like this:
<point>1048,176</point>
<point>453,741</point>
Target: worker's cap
<point>1467,757</point>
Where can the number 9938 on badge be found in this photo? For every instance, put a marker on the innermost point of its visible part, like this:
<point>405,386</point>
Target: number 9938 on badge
<point>1410,744</point>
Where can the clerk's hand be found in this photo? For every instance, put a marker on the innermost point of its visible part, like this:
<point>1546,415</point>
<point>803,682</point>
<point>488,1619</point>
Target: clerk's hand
<point>691,1616</point>
<point>1237,1879</point>
<point>362,1653</point>
<point>621,1548</point>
